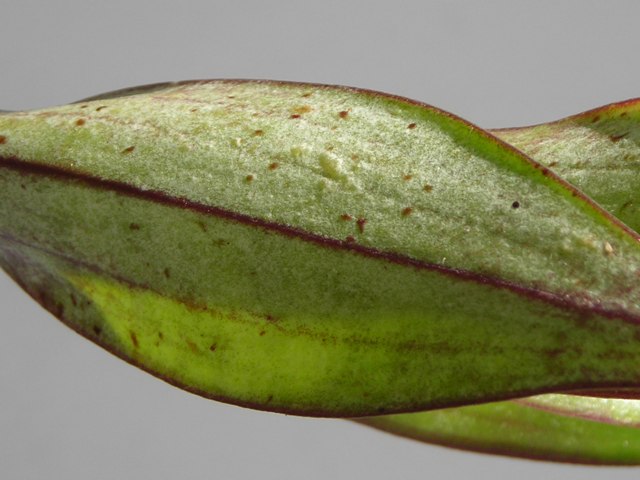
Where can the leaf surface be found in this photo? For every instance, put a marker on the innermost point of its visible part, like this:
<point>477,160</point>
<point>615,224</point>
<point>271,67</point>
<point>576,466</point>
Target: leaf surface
<point>598,152</point>
<point>315,250</point>
<point>516,429</point>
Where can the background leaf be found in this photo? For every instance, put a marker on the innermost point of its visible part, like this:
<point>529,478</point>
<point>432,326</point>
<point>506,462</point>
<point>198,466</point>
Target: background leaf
<point>597,151</point>
<point>515,429</point>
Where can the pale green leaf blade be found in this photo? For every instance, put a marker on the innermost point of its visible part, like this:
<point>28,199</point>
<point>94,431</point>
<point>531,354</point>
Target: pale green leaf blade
<point>515,429</point>
<point>617,411</point>
<point>376,254</point>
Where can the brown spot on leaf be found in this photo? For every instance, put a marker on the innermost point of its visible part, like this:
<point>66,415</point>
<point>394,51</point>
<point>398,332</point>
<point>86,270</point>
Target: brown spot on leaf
<point>346,217</point>
<point>84,106</point>
<point>617,138</point>
<point>269,398</point>
<point>274,165</point>
<point>161,335</point>
<point>361,223</point>
<point>295,115</point>
<point>134,339</point>
<point>167,272</point>
<point>80,122</point>
<point>249,178</point>
<point>134,226</point>
<point>553,352</point>
<point>202,225</point>
<point>3,139</point>
<point>101,107</point>
<point>129,149</point>
<point>193,110</point>
<point>258,133</point>
<point>271,318</point>
<point>213,347</point>
<point>595,119</point>
<point>407,177</point>
<point>344,114</point>
<point>412,126</point>
<point>407,211</point>
<point>626,204</point>
<point>350,239</point>
<point>262,333</point>
<point>307,95</point>
<point>427,188</point>
<point>553,164</point>
<point>192,346</point>
<point>515,204</point>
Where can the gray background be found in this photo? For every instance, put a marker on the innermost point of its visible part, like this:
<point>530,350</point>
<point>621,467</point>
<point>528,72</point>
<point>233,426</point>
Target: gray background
<point>69,410</point>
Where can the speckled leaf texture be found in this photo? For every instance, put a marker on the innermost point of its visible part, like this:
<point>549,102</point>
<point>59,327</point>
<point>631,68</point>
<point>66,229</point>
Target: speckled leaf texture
<point>316,250</point>
<point>598,152</point>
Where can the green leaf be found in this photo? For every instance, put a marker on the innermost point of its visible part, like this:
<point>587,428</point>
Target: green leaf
<point>315,250</point>
<point>598,152</point>
<point>517,429</point>
<point>617,411</point>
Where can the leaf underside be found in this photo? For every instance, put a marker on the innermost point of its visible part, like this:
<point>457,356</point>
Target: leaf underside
<point>326,251</point>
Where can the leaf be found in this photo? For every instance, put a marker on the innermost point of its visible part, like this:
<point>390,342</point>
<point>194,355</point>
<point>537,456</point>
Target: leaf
<point>616,411</point>
<point>315,250</point>
<point>597,151</point>
<point>516,429</point>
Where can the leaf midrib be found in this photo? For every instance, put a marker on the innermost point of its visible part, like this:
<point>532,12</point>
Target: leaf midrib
<point>587,306</point>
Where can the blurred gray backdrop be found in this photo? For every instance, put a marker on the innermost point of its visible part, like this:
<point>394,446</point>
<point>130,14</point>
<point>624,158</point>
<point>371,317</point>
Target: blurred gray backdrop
<point>69,410</point>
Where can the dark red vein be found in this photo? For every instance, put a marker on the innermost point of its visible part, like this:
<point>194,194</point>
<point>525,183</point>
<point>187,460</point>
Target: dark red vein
<point>563,301</point>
